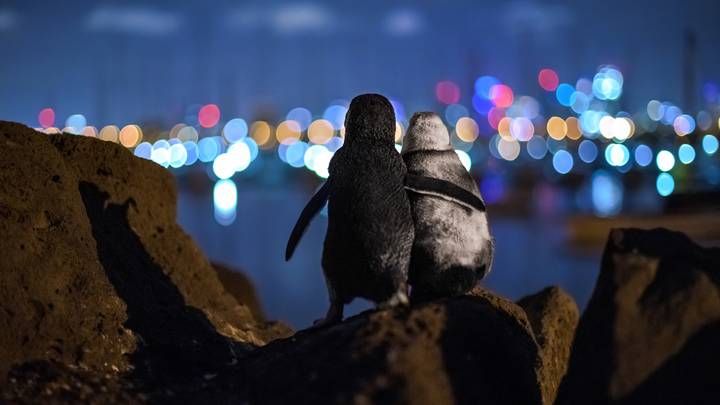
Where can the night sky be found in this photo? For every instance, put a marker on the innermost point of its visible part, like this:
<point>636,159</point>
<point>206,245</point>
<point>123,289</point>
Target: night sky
<point>120,62</point>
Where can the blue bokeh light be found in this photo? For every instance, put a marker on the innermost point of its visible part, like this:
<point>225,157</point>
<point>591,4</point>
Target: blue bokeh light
<point>607,193</point>
<point>483,85</point>
<point>686,153</point>
<point>588,151</point>
<point>665,184</point>
<point>643,155</point>
<point>710,144</point>
<point>564,93</point>
<point>562,161</point>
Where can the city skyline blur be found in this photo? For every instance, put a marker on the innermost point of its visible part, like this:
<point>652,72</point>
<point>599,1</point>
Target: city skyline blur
<point>135,62</point>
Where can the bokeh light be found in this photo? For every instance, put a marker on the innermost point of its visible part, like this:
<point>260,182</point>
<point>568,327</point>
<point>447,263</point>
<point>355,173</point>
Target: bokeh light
<point>686,153</point>
<point>563,94</point>
<point>467,129</point>
<point>643,155</point>
<point>536,147</point>
<point>225,201</point>
<point>261,133</point>
<point>46,117</point>
<point>447,92</point>
<point>295,154</point>
<point>287,132</point>
<point>208,149</point>
<point>548,79</point>
<point>192,152</point>
<point>588,151</point>
<point>665,184</point>
<point>508,149</point>
<point>607,194</point>
<point>320,131</point>
<point>75,123</point>
<point>522,129</point>
<point>573,128</point>
<point>617,154</point>
<point>655,110</point>
<point>178,155</point>
<point>336,115</point>
<point>234,130</point>
<point>129,136</point>
<point>710,144</point>
<point>208,115</point>
<point>562,161</point>
<point>665,160</point>
<point>454,112</point>
<point>187,133</point>
<point>143,150</point>
<point>301,115</point>
<point>501,95</point>
<point>607,84</point>
<point>556,128</point>
<point>161,153</point>
<point>483,84</point>
<point>684,124</point>
<point>241,156</point>
<point>223,166</point>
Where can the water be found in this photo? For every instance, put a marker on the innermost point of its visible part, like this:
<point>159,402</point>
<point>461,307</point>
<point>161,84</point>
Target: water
<point>531,253</point>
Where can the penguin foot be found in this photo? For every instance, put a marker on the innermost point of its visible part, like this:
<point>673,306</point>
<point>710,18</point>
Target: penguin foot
<point>399,298</point>
<point>333,316</point>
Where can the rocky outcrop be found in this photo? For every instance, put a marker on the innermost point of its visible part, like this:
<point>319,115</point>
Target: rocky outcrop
<point>553,315</point>
<point>104,299</point>
<point>650,331</point>
<point>472,349</point>
<point>239,285</point>
<point>96,273</point>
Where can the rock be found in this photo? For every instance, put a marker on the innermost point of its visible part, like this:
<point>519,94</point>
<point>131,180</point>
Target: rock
<point>237,284</point>
<point>650,331</point>
<point>471,349</point>
<point>96,273</point>
<point>553,315</point>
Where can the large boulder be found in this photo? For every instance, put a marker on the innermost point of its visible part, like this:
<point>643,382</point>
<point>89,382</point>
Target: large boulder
<point>95,270</point>
<point>239,285</point>
<point>553,315</point>
<point>471,349</point>
<point>650,332</point>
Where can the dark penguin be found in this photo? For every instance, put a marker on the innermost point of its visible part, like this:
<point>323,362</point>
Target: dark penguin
<point>453,248</point>
<point>370,229</point>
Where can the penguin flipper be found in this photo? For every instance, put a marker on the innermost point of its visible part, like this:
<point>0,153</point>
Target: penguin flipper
<point>316,203</point>
<point>443,189</point>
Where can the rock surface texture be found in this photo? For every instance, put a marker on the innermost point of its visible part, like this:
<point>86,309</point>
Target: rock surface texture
<point>650,332</point>
<point>104,299</point>
<point>97,274</point>
<point>472,349</point>
<point>553,315</point>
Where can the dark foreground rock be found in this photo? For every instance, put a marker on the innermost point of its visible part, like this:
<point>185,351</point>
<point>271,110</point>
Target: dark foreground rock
<point>651,331</point>
<point>472,349</point>
<point>237,284</point>
<point>553,315</point>
<point>97,274</point>
<point>104,299</point>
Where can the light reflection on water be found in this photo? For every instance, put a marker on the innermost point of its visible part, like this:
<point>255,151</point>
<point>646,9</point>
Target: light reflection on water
<point>531,253</point>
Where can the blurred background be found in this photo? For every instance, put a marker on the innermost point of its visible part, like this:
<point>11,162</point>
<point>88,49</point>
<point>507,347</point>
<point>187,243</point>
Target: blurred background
<point>573,116</point>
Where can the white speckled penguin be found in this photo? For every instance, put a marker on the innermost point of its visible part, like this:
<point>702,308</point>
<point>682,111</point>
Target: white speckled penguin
<point>453,248</point>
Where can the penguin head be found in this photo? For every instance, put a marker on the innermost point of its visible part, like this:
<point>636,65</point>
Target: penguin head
<point>426,132</point>
<point>370,117</point>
